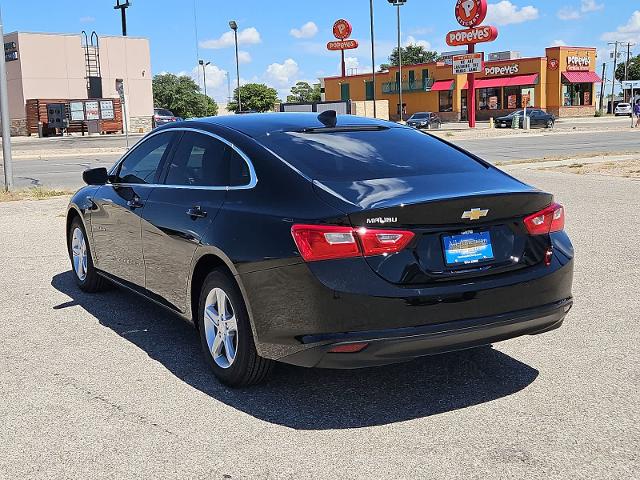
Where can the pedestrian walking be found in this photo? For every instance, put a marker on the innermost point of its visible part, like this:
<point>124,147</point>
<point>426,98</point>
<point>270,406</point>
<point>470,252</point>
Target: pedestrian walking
<point>636,113</point>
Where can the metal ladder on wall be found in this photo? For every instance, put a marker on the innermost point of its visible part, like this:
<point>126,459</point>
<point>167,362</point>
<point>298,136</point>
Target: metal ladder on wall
<point>91,47</point>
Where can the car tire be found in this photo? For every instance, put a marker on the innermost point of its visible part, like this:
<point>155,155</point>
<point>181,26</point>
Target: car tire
<point>225,333</point>
<point>550,123</point>
<point>85,273</point>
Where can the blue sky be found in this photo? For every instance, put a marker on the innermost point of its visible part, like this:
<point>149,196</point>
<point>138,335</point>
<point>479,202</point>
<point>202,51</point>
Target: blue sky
<point>284,41</point>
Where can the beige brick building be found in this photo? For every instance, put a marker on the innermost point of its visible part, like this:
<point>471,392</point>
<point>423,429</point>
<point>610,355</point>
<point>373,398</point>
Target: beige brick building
<point>58,66</point>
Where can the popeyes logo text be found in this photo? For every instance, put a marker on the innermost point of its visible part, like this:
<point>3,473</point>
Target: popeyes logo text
<point>502,70</point>
<point>578,62</point>
<point>472,35</point>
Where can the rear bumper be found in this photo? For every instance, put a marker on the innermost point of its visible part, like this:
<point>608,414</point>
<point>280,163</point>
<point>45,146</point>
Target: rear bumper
<point>404,344</point>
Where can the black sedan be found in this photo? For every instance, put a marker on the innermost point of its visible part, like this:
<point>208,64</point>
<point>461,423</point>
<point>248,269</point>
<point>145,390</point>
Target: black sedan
<point>322,241</point>
<point>537,118</point>
<point>424,120</point>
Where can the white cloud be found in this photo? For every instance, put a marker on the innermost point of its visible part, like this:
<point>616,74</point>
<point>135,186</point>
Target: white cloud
<point>586,6</point>
<point>216,81</point>
<point>630,32</point>
<point>568,13</point>
<point>411,40</point>
<point>590,6</point>
<point>505,13</point>
<point>283,74</point>
<point>244,57</point>
<point>87,19</point>
<point>558,43</point>
<point>248,36</point>
<point>421,31</point>
<point>308,30</point>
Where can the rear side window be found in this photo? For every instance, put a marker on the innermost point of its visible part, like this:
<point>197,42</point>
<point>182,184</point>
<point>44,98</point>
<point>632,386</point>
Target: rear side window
<point>240,175</point>
<point>199,160</point>
<point>365,155</point>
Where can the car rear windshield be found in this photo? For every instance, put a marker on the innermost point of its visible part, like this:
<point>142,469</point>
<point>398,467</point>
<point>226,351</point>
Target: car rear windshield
<point>420,115</point>
<point>164,113</point>
<point>368,154</point>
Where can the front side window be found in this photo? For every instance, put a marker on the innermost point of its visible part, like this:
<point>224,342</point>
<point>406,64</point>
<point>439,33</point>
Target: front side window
<point>141,165</point>
<point>199,160</point>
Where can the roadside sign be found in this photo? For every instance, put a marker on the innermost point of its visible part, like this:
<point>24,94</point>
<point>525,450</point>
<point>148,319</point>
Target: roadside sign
<point>526,98</point>
<point>471,13</point>
<point>470,63</point>
<point>342,29</point>
<point>631,84</point>
<point>342,45</point>
<point>472,36</point>
<point>93,110</point>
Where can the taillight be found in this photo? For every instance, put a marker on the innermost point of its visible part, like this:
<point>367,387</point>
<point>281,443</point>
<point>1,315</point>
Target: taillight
<point>325,242</point>
<point>548,220</point>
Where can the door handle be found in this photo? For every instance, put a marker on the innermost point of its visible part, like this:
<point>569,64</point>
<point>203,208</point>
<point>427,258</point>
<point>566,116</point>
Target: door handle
<point>135,203</point>
<point>196,212</point>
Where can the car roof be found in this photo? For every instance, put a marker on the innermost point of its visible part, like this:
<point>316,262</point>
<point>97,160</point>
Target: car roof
<point>258,124</point>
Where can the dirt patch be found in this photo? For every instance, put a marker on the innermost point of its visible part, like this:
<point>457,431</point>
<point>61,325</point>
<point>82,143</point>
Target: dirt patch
<point>37,193</point>
<point>623,168</point>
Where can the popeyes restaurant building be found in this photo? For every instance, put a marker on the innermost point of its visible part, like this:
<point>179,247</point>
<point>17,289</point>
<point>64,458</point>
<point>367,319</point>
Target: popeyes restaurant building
<point>562,82</point>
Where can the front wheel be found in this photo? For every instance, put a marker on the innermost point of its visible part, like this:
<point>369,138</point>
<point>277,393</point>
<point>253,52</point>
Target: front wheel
<point>225,333</point>
<point>550,123</point>
<point>85,274</point>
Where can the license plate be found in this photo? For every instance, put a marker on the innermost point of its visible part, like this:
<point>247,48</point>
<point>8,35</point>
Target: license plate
<point>468,248</point>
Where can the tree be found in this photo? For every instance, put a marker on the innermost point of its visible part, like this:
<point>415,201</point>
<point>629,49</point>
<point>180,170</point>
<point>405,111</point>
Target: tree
<point>181,95</point>
<point>302,92</point>
<point>254,96</point>
<point>411,55</point>
<point>634,70</point>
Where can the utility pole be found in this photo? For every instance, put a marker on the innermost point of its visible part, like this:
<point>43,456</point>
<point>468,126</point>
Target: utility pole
<point>615,65</point>
<point>398,4</point>
<point>626,67</point>
<point>373,59</point>
<point>123,13</point>
<point>604,80</point>
<point>4,116</point>
<point>204,66</point>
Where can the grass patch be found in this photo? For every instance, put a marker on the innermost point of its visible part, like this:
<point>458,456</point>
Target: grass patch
<point>34,193</point>
<point>448,134</point>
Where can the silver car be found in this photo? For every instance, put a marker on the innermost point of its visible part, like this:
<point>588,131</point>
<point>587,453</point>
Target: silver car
<point>623,109</point>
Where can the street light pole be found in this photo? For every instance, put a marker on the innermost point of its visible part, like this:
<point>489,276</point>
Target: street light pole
<point>204,73</point>
<point>398,4</point>
<point>615,66</point>
<point>6,122</point>
<point>234,26</point>
<point>373,59</point>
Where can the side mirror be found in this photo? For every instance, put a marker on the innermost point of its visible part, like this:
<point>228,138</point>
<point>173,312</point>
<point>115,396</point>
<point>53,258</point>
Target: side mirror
<point>95,176</point>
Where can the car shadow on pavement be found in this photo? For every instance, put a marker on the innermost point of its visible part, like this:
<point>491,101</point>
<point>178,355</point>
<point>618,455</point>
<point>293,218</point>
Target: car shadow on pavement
<point>310,399</point>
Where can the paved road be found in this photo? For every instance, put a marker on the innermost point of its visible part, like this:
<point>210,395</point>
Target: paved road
<point>504,149</point>
<point>108,386</point>
<point>56,165</point>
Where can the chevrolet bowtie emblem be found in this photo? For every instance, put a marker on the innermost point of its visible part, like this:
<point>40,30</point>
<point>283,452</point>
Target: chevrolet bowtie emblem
<point>475,214</point>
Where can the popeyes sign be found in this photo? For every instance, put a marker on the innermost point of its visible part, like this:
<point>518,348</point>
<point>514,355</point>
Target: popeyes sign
<point>578,62</point>
<point>470,14</point>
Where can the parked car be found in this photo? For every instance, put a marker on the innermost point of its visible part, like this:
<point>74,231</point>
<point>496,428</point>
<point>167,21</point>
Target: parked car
<point>538,118</point>
<point>426,120</point>
<point>322,241</point>
<point>162,116</point>
<point>623,109</point>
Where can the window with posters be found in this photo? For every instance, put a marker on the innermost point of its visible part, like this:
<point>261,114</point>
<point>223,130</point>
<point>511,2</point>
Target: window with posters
<point>489,98</point>
<point>513,96</point>
<point>106,110</point>
<point>577,94</point>
<point>445,100</point>
<point>92,110</point>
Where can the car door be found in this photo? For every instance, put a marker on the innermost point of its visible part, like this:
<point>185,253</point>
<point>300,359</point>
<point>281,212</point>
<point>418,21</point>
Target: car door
<point>115,221</point>
<point>179,213</point>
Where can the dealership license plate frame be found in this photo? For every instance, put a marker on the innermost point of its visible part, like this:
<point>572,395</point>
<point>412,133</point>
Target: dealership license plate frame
<point>481,252</point>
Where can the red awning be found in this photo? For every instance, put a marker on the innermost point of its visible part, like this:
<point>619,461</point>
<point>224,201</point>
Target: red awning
<point>514,81</point>
<point>582,77</point>
<point>442,85</point>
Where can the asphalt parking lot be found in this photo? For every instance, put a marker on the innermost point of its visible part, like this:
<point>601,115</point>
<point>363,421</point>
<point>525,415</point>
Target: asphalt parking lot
<point>109,386</point>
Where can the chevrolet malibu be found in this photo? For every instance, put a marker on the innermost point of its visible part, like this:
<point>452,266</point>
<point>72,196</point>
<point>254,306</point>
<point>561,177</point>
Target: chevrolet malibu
<point>322,241</point>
